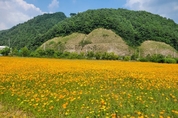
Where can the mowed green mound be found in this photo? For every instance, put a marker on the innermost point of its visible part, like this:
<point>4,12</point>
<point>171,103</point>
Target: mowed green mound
<point>99,40</point>
<point>103,40</point>
<point>66,43</point>
<point>154,47</point>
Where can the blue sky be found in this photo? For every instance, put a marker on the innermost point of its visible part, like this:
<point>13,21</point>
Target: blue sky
<point>68,6</point>
<point>13,12</point>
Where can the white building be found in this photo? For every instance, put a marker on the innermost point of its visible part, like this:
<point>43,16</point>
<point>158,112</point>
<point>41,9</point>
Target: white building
<point>2,47</point>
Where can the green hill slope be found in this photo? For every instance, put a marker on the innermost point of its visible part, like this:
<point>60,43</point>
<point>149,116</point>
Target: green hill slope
<point>24,34</point>
<point>99,40</point>
<point>103,40</point>
<point>134,27</point>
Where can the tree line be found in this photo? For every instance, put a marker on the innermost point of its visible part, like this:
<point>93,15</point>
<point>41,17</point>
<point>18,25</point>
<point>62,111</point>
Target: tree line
<point>50,53</point>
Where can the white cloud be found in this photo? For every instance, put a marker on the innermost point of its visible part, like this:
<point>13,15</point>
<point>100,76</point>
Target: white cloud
<point>53,5</point>
<point>13,12</point>
<point>166,8</point>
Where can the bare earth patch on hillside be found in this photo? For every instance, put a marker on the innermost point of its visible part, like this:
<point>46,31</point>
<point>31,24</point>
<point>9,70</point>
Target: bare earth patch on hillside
<point>104,40</point>
<point>101,40</point>
<point>155,47</point>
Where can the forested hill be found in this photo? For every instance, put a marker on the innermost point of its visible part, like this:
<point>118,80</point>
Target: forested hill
<point>133,26</point>
<point>25,34</point>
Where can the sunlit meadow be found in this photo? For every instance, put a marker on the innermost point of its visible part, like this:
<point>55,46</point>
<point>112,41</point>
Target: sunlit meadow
<point>88,88</point>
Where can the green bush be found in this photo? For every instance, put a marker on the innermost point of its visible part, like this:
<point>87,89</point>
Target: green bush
<point>24,52</point>
<point>34,54</point>
<point>143,59</point>
<point>170,60</point>
<point>65,54</point>
<point>127,58</point>
<point>81,55</point>
<point>90,54</point>
<point>84,42</point>
<point>98,55</point>
<point>176,60</point>
<point>73,55</point>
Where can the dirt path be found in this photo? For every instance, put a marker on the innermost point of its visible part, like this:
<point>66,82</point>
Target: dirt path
<point>7,112</point>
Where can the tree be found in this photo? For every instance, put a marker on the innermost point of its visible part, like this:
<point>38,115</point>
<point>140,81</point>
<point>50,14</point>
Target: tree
<point>72,14</point>
<point>24,52</point>
<point>15,52</point>
<point>5,51</point>
<point>50,52</point>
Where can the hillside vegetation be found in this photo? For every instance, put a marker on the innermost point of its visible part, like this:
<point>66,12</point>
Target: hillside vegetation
<point>103,40</point>
<point>24,34</point>
<point>134,27</point>
<point>99,40</point>
<point>104,30</point>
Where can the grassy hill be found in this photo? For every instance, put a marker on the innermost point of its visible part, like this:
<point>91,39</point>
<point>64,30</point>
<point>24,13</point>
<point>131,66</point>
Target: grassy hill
<point>99,40</point>
<point>154,47</point>
<point>24,34</point>
<point>60,43</point>
<point>103,40</point>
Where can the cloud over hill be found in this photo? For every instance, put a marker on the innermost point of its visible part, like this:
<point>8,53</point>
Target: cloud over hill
<point>165,8</point>
<point>16,11</point>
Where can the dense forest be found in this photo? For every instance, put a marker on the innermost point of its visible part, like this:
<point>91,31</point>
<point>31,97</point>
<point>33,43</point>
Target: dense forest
<point>25,34</point>
<point>133,26</point>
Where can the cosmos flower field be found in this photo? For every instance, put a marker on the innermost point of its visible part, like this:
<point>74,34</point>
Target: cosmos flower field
<point>89,88</point>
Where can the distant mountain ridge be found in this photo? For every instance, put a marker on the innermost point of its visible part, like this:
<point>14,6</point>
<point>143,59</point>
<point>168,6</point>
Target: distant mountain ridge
<point>134,27</point>
<point>24,34</point>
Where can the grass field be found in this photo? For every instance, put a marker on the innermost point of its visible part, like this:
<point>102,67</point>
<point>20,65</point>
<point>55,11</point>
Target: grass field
<point>88,89</point>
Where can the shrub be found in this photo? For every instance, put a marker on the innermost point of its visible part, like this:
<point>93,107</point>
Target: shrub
<point>90,54</point>
<point>34,54</point>
<point>41,52</point>
<point>84,42</point>
<point>127,58</point>
<point>143,59</point>
<point>176,60</point>
<point>98,55</point>
<point>170,60</point>
<point>156,58</point>
<point>65,55</point>
<point>24,52</point>
<point>81,55</point>
<point>73,55</point>
<point>49,52</point>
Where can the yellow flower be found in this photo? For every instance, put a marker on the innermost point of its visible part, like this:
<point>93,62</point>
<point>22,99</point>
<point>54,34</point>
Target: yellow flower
<point>65,105</point>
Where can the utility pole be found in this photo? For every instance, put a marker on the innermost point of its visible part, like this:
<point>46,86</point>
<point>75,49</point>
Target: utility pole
<point>10,46</point>
<point>139,53</point>
<point>44,47</point>
<point>9,43</point>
